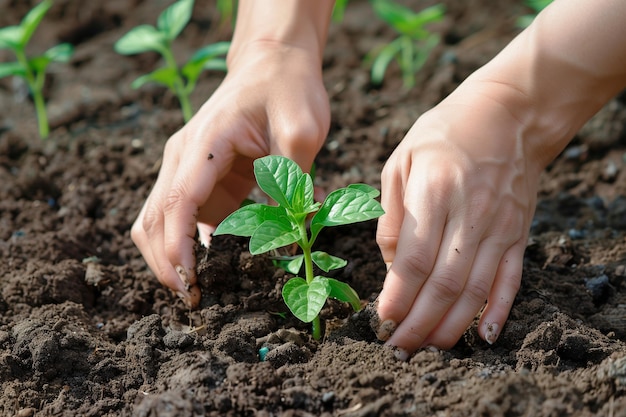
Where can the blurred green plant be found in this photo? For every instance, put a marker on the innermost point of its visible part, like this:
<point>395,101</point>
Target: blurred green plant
<point>339,10</point>
<point>227,10</point>
<point>536,6</point>
<point>181,81</point>
<point>32,69</point>
<point>412,47</point>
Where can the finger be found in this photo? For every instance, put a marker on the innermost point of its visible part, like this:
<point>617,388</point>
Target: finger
<point>505,287</point>
<point>415,253</point>
<point>390,223</point>
<point>190,188</point>
<point>473,298</point>
<point>440,291</point>
<point>297,135</point>
<point>147,230</point>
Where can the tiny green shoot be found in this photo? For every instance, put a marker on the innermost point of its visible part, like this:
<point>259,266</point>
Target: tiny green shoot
<point>32,69</point>
<point>272,227</point>
<point>181,81</point>
<point>412,47</point>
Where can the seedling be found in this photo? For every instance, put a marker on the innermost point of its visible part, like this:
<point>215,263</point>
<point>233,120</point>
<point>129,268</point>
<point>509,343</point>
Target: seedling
<point>32,69</point>
<point>181,81</point>
<point>412,48</point>
<point>272,227</point>
<point>536,6</point>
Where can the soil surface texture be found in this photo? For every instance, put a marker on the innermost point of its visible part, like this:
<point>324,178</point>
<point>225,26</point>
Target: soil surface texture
<point>87,330</point>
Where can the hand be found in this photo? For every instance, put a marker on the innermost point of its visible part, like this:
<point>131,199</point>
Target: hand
<point>272,101</point>
<point>459,194</point>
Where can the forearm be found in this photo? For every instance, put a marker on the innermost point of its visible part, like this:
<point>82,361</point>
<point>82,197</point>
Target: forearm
<point>559,72</point>
<point>301,24</point>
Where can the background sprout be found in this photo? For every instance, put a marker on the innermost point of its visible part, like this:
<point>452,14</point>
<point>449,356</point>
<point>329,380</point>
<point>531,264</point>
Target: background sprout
<point>181,81</point>
<point>412,48</point>
<point>33,69</point>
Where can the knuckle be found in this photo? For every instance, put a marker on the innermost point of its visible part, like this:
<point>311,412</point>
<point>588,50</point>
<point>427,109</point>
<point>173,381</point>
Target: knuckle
<point>418,262</point>
<point>174,198</point>
<point>150,222</point>
<point>137,233</point>
<point>477,292</point>
<point>447,287</point>
<point>386,241</point>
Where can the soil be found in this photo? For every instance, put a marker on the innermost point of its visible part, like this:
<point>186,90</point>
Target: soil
<point>86,329</point>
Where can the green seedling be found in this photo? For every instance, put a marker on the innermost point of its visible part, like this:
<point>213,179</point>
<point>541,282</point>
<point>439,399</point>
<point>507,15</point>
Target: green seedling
<point>412,47</point>
<point>227,10</point>
<point>32,69</point>
<point>181,81</point>
<point>536,6</point>
<point>273,227</point>
<point>339,10</point>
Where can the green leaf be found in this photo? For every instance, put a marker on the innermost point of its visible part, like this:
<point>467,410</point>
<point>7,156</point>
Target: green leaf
<point>11,68</point>
<point>278,177</point>
<point>428,15</point>
<point>291,264</point>
<point>10,37</point>
<point>327,262</point>
<point>404,20</point>
<point>273,234</point>
<point>60,53</point>
<point>343,292</point>
<point>206,58</point>
<point>345,206</point>
<point>39,63</point>
<point>216,64</point>
<point>142,38</point>
<point>383,59</point>
<point>32,20</point>
<point>302,200</point>
<point>245,220</point>
<point>397,16</point>
<point>368,189</point>
<point>306,300</point>
<point>165,76</point>
<point>174,19</point>
<point>211,51</point>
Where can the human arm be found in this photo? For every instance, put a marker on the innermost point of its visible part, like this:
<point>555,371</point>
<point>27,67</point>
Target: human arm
<point>272,101</point>
<point>460,190</point>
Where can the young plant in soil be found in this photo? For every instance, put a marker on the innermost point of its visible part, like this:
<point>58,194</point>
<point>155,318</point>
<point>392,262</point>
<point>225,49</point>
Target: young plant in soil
<point>273,227</point>
<point>181,81</point>
<point>32,69</point>
<point>412,48</point>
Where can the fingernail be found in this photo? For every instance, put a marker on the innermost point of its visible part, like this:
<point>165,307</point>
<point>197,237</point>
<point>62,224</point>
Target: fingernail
<point>388,264</point>
<point>432,348</point>
<point>183,276</point>
<point>491,335</point>
<point>386,329</point>
<point>401,354</point>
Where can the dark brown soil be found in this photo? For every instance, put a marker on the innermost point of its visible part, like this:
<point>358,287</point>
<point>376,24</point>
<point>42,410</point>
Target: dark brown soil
<point>85,328</point>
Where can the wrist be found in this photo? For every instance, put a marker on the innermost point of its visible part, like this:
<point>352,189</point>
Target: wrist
<point>280,26</point>
<point>556,75</point>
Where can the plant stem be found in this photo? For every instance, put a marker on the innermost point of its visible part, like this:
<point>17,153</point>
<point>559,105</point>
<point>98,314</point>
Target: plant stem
<point>42,116</point>
<point>179,84</point>
<point>40,105</point>
<point>305,245</point>
<point>35,85</point>
<point>408,70</point>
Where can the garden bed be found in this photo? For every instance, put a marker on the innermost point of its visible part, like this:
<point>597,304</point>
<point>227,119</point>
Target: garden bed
<point>86,329</point>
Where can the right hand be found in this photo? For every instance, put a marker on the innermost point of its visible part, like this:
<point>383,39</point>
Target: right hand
<point>272,101</point>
